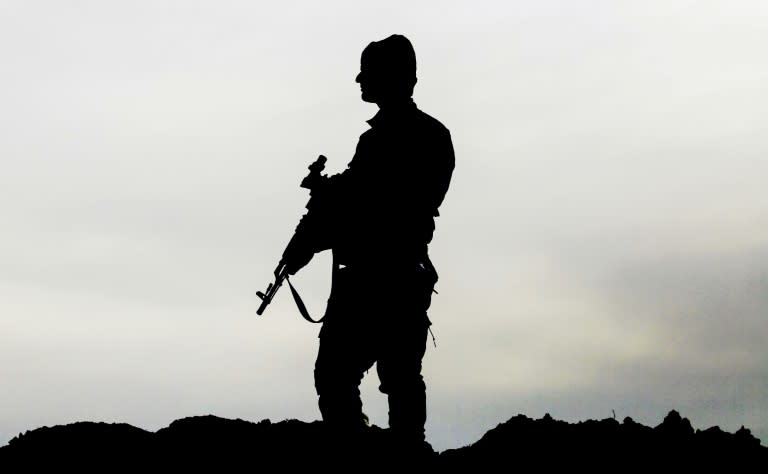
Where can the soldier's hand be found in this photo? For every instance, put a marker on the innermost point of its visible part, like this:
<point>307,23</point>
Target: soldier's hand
<point>296,260</point>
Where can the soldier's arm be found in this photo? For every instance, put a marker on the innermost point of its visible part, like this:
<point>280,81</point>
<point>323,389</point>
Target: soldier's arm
<point>316,229</point>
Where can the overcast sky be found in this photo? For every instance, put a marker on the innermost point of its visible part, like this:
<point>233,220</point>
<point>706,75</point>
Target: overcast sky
<point>603,246</point>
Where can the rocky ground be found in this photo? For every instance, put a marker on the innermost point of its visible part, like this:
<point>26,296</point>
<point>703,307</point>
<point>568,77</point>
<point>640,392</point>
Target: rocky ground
<point>520,444</point>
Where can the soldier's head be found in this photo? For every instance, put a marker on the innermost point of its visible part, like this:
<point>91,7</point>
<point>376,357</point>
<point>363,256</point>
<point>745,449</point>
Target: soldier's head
<point>387,70</point>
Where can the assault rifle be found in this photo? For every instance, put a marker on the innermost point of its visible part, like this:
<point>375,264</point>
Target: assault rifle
<point>311,181</point>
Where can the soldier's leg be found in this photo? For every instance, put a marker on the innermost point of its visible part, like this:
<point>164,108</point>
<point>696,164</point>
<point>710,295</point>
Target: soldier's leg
<point>399,369</point>
<point>341,363</point>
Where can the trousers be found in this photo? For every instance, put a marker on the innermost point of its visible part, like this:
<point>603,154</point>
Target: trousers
<point>375,318</point>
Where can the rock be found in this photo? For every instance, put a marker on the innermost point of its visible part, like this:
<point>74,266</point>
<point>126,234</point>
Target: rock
<point>210,442</point>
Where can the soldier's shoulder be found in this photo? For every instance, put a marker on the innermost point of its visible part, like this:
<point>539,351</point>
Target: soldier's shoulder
<point>368,135</point>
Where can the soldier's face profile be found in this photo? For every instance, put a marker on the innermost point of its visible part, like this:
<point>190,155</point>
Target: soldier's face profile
<point>370,80</point>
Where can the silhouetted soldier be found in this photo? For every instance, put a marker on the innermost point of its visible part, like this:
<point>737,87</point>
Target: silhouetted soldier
<point>378,217</point>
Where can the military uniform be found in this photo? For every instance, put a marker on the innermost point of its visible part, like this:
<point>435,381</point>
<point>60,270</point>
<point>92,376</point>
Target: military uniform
<point>378,225</point>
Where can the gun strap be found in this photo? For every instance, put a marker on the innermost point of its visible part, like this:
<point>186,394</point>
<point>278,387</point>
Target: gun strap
<point>300,303</point>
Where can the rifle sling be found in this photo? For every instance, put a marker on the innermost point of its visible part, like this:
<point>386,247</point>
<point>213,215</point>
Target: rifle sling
<point>300,303</point>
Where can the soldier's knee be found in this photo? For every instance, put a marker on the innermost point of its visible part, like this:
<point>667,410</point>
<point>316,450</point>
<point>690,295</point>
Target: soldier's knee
<point>402,383</point>
<point>333,379</point>
<point>320,381</point>
<point>326,380</point>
